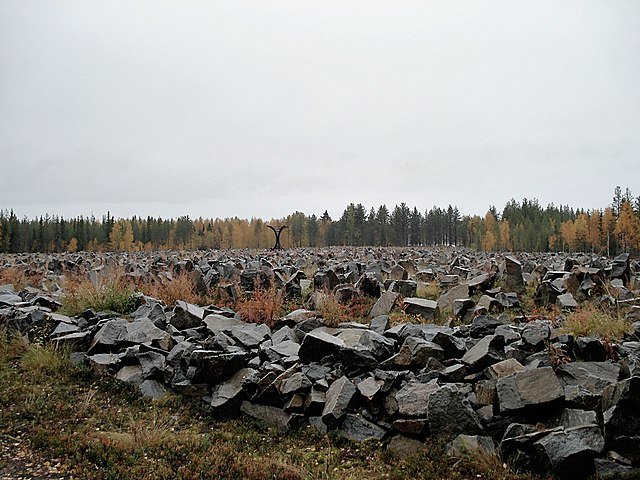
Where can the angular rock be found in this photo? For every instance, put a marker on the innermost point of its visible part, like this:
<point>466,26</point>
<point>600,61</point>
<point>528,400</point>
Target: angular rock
<point>358,429</point>
<point>153,389</point>
<point>570,453</point>
<point>449,414</point>
<point>403,447</point>
<point>270,416</point>
<point>484,353</point>
<point>318,344</point>
<point>338,398</point>
<point>427,309</point>
<point>531,389</point>
<point>384,304</point>
<point>464,445</point>
<point>412,398</point>
<point>595,376</point>
<point>186,315</point>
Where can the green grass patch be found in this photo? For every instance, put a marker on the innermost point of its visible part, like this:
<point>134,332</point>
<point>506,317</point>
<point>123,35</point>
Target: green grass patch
<point>109,293</point>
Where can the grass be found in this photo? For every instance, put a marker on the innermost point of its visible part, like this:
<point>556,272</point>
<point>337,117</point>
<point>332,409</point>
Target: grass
<point>263,306</point>
<point>104,430</point>
<point>430,291</point>
<point>590,320</point>
<point>110,292</point>
<point>180,287</point>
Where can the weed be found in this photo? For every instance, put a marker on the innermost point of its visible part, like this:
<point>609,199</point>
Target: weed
<point>110,292</point>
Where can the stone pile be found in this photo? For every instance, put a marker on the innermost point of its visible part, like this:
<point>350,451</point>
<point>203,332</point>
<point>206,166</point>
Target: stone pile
<point>543,399</point>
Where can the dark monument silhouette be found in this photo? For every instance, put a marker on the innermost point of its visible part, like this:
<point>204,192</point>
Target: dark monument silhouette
<point>277,246</point>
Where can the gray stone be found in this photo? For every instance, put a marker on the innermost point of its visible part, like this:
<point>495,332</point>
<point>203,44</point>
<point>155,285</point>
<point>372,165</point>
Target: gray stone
<point>566,300</point>
<point>416,352</point>
<point>403,447</point>
<point>370,388</point>
<point>131,374</point>
<point>379,324</point>
<point>358,429</point>
<point>595,376</point>
<point>484,353</point>
<point>412,398</point>
<point>153,365</point>
<point>572,417</point>
<point>450,414</point>
<point>530,389</point>
<point>464,445</point>
<point>338,398</point>
<point>228,396</point>
<point>102,363</point>
<point>186,315</point>
<point>143,331</point>
<point>446,299</point>
<point>384,304</point>
<point>427,309</point>
<point>250,335</point>
<point>504,368</point>
<point>268,415</point>
<point>570,453</point>
<point>206,366</point>
<point>484,325</point>
<point>535,334</point>
<point>318,344</point>
<point>110,337</point>
<point>153,389</point>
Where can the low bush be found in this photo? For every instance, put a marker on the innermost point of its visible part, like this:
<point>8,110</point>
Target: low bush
<point>262,306</point>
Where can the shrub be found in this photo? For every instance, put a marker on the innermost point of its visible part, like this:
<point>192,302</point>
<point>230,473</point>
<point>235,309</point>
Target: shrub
<point>263,306</point>
<point>110,292</point>
<point>334,312</point>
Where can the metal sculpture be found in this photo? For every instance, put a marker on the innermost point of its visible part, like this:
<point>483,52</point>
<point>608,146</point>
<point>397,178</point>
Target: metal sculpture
<point>277,246</point>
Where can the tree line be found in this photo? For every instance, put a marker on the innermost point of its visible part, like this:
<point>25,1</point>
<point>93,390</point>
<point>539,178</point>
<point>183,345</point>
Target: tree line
<point>521,226</point>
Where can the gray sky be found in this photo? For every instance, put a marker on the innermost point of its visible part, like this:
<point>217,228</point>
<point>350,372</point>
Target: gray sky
<point>219,108</point>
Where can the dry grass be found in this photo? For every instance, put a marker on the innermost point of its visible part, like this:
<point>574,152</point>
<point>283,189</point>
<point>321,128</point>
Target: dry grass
<point>19,278</point>
<point>263,306</point>
<point>590,320</point>
<point>180,287</point>
<point>430,291</point>
<point>112,291</point>
<point>151,431</point>
<point>44,361</point>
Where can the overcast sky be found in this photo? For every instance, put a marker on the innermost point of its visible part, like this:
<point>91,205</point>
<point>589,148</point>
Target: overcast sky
<point>239,108</point>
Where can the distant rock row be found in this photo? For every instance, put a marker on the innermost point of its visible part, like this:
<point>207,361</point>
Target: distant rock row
<point>500,381</point>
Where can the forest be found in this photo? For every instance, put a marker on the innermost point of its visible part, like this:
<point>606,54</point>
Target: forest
<point>521,226</point>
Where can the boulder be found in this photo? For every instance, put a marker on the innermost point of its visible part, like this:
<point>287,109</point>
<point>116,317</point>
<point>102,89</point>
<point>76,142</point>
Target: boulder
<point>358,429</point>
<point>338,398</point>
<point>449,414</point>
<point>529,390</point>
<point>427,309</point>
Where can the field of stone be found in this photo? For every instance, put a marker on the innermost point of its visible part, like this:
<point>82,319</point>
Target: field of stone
<point>424,363</point>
